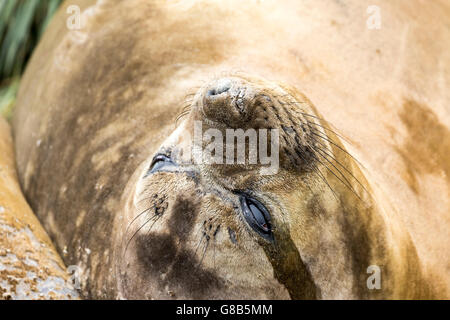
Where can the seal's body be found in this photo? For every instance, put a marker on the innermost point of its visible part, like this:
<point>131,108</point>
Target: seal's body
<point>30,267</point>
<point>104,133</point>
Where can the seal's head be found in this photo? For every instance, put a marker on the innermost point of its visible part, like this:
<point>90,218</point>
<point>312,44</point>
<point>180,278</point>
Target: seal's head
<point>252,196</point>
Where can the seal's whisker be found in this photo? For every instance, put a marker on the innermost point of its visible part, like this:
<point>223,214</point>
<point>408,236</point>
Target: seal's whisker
<point>204,250</point>
<point>342,166</point>
<point>315,168</point>
<point>285,95</point>
<point>214,253</point>
<point>319,173</point>
<point>323,123</point>
<point>178,119</point>
<point>193,92</point>
<point>157,217</point>
<point>306,114</point>
<point>143,199</point>
<point>181,115</point>
<point>136,232</point>
<point>186,109</point>
<point>188,105</point>
<point>326,181</point>
<point>312,125</point>
<point>191,99</point>
<point>135,219</point>
<point>199,242</point>
<point>336,145</point>
<point>315,153</point>
<point>187,102</point>
<point>311,115</point>
<point>315,130</point>
<point>349,186</point>
<point>214,245</point>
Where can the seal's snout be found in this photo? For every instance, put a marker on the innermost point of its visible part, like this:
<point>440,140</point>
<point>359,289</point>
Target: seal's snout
<point>228,100</point>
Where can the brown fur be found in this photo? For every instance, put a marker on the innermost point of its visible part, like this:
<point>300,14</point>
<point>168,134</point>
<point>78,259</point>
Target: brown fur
<point>102,101</point>
<point>30,267</point>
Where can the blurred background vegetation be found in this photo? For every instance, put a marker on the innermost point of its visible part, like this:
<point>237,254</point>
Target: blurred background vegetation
<point>22,22</point>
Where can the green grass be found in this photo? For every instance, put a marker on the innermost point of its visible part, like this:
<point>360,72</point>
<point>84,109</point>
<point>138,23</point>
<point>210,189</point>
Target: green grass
<point>22,22</point>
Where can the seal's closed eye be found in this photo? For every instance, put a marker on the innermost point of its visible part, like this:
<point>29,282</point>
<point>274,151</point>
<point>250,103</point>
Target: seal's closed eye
<point>257,216</point>
<point>159,162</point>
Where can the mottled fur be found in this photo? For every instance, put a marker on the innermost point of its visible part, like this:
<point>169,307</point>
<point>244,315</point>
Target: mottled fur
<point>104,100</point>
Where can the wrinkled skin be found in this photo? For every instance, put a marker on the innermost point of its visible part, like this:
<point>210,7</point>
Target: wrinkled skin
<point>97,105</point>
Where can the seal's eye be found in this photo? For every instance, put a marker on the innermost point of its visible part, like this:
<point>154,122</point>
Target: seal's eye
<point>256,216</point>
<point>160,162</point>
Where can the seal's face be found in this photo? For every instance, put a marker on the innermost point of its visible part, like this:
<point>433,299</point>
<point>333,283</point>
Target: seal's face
<point>219,228</point>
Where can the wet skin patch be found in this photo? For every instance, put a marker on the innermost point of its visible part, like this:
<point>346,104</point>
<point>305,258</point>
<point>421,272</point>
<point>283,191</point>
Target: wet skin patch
<point>427,147</point>
<point>357,241</point>
<point>288,267</point>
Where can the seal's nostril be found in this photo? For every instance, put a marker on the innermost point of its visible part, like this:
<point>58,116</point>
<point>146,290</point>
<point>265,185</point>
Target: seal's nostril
<point>222,86</point>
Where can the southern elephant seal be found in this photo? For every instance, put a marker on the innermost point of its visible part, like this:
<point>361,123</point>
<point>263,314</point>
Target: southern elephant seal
<point>30,267</point>
<point>115,106</point>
